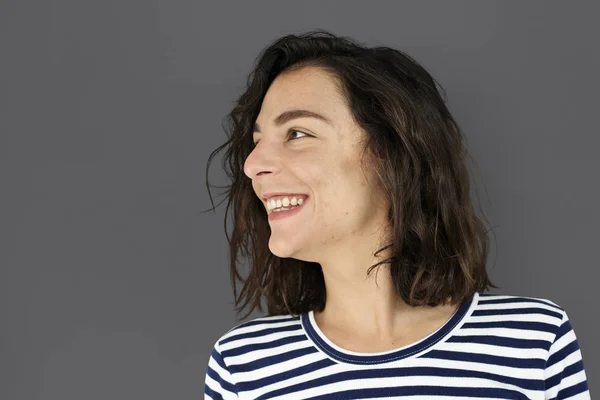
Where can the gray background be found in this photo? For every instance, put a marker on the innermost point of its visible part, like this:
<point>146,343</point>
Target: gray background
<point>113,284</point>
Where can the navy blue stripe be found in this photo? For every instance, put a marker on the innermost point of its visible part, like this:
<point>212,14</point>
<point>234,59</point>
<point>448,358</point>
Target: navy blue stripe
<point>529,384</point>
<point>572,391</point>
<point>563,330</point>
<point>262,332</point>
<point>272,360</point>
<point>502,341</point>
<point>421,391</point>
<point>525,325</point>
<point>224,384</point>
<point>562,354</point>
<point>573,369</point>
<point>570,370</point>
<point>486,359</point>
<point>258,383</point>
<point>217,357</point>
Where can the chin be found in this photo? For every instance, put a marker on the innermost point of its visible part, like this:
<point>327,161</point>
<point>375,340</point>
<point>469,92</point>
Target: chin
<point>282,251</point>
<point>286,251</point>
<point>284,247</point>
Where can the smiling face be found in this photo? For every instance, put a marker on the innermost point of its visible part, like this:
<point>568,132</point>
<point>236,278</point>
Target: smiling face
<point>319,158</point>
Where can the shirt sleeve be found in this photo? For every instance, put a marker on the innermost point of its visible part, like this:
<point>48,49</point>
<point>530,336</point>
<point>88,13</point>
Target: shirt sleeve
<point>218,383</point>
<point>564,373</point>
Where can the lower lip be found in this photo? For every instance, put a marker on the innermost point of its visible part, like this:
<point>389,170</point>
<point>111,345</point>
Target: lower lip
<point>276,215</point>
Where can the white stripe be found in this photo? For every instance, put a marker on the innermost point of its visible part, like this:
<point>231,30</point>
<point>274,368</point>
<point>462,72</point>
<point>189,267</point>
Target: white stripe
<point>281,367</point>
<point>259,339</point>
<point>333,369</point>
<point>546,319</point>
<point>263,353</point>
<point>508,333</point>
<point>529,373</point>
<point>563,342</point>
<point>517,306</point>
<point>258,327</point>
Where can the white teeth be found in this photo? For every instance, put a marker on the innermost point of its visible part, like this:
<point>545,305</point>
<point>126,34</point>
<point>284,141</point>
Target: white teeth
<point>272,205</point>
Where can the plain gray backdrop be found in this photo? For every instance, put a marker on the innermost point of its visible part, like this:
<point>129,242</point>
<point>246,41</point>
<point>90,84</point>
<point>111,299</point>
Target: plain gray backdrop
<point>114,284</point>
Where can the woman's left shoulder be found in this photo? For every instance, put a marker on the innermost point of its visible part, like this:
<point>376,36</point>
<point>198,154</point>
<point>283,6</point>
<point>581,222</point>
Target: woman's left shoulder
<point>519,305</point>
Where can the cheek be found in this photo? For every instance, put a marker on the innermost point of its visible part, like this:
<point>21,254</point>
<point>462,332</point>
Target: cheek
<point>337,183</point>
<point>314,172</point>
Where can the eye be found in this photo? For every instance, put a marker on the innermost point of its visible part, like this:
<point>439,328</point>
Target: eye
<point>290,134</point>
<point>292,131</point>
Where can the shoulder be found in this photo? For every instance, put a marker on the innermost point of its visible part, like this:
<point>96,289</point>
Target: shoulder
<point>258,330</point>
<point>524,312</point>
<point>510,301</point>
<point>236,348</point>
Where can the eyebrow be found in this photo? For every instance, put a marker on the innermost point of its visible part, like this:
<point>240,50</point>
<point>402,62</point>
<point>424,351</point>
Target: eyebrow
<point>287,116</point>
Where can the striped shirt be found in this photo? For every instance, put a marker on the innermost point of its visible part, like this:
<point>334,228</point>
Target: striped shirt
<point>493,347</point>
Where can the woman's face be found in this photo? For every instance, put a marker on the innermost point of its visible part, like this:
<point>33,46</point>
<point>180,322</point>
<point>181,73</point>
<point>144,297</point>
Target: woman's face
<point>316,160</point>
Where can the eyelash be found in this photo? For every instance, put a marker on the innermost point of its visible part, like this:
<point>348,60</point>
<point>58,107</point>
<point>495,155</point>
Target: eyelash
<point>288,135</point>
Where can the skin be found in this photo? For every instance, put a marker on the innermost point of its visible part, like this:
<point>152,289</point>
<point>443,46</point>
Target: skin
<point>344,220</point>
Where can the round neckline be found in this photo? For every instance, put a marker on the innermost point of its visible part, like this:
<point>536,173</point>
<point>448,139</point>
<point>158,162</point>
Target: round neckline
<point>340,354</point>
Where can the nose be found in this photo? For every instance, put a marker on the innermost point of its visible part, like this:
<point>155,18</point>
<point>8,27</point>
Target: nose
<point>262,159</point>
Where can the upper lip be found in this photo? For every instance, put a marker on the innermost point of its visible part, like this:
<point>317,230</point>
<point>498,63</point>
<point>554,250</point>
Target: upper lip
<point>267,196</point>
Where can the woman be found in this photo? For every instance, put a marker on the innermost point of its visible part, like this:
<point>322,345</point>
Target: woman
<point>351,202</point>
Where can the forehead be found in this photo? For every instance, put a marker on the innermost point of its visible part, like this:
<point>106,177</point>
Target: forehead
<point>308,88</point>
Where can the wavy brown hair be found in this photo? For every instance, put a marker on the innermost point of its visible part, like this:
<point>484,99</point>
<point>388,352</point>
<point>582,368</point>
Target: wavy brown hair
<point>438,247</point>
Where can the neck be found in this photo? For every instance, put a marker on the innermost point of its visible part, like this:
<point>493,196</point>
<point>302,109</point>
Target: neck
<point>368,306</point>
